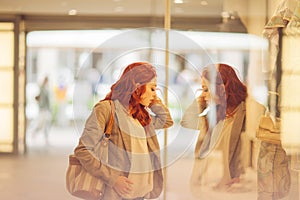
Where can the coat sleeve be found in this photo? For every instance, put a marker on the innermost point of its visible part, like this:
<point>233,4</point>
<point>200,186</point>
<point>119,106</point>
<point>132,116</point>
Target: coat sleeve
<point>161,118</point>
<point>192,118</point>
<point>92,133</point>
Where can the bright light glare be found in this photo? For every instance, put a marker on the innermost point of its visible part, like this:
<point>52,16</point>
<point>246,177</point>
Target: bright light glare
<point>94,38</point>
<point>80,39</point>
<point>178,1</point>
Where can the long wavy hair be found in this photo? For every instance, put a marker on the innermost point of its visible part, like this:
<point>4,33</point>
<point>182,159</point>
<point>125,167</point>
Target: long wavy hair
<point>228,88</point>
<point>129,88</point>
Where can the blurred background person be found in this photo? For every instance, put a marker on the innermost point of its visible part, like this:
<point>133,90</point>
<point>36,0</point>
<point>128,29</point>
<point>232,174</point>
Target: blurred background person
<point>42,123</point>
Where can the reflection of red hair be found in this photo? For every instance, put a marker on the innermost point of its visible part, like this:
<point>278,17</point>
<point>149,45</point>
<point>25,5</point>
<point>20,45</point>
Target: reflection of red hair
<point>129,88</point>
<point>236,91</point>
<point>229,89</point>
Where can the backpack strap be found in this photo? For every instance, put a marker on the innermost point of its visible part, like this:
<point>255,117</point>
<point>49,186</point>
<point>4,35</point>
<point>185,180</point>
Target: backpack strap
<point>108,129</point>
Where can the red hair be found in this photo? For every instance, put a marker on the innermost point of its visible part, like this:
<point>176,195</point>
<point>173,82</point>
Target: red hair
<point>228,88</point>
<point>129,88</point>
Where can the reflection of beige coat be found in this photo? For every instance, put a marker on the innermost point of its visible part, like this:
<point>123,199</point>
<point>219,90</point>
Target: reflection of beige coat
<point>119,160</point>
<point>191,119</point>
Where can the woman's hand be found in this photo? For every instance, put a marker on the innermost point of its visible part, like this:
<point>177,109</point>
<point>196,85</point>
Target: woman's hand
<point>123,186</point>
<point>155,100</point>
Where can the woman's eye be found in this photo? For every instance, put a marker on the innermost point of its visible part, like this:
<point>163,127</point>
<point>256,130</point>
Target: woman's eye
<point>205,89</point>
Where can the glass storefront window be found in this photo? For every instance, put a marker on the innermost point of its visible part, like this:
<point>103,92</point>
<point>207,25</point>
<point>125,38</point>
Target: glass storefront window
<point>6,48</point>
<point>97,60</point>
<point>6,126</point>
<point>6,86</point>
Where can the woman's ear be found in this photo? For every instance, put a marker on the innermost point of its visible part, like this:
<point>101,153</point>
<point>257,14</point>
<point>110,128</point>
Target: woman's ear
<point>137,85</point>
<point>222,86</point>
<point>138,91</point>
<point>223,90</point>
<point>222,93</point>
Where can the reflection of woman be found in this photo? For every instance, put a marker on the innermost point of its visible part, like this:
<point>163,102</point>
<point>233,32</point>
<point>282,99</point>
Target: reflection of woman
<point>220,127</point>
<point>133,170</point>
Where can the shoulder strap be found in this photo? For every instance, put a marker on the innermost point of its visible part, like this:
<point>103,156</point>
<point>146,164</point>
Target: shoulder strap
<point>108,129</point>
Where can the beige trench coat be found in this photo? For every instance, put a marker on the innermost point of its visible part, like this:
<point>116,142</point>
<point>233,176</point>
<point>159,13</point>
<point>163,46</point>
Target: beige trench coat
<point>119,162</point>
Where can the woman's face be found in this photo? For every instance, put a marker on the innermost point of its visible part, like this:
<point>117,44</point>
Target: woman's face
<point>205,91</point>
<point>206,94</point>
<point>149,93</point>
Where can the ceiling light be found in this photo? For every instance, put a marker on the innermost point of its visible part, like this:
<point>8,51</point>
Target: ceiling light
<point>72,12</point>
<point>178,1</point>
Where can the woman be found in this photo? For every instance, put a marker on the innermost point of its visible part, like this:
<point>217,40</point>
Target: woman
<point>43,120</point>
<point>219,114</point>
<point>133,170</point>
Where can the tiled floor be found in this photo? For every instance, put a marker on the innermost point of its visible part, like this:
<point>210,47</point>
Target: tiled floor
<point>40,174</point>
